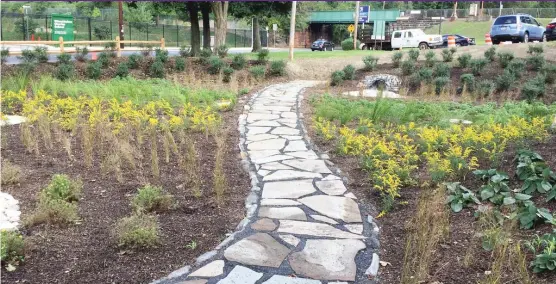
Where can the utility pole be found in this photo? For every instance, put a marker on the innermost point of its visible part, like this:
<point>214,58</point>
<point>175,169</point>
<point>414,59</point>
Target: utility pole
<point>121,22</point>
<point>292,29</point>
<point>356,24</point>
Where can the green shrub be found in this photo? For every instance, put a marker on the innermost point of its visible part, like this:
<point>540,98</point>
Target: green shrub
<point>257,72</point>
<point>535,49</point>
<point>205,55</point>
<point>535,62</point>
<point>453,50</point>
<point>104,59</point>
<point>4,53</point>
<point>94,70</point>
<point>397,58</point>
<point>10,173</point>
<point>228,71</point>
<point>179,63</point>
<point>505,58</point>
<point>440,84</point>
<point>28,56</point>
<point>337,78</point>
<point>222,51</point>
<point>12,247</point>
<point>110,46</point>
<point>239,62</point>
<point>161,54</point>
<point>549,72</point>
<point>415,81</point>
<point>122,70</point>
<point>370,62</point>
<point>408,67</point>
<point>42,54</point>
<point>441,70</point>
<point>516,68</point>
<point>430,58</point>
<point>146,50</point>
<point>349,72</point>
<point>534,88</point>
<point>477,65</point>
<point>490,54</point>
<point>485,88</point>
<point>81,54</point>
<point>504,81</point>
<point>277,68</point>
<point>53,211</point>
<point>151,199</point>
<point>185,51</point>
<point>137,231</point>
<point>464,60</point>
<point>63,188</point>
<point>426,75</point>
<point>468,81</point>
<point>347,44</point>
<point>65,72</point>
<point>262,56</point>
<point>447,55</point>
<point>64,58</point>
<point>215,65</point>
<point>413,54</point>
<point>157,69</point>
<point>133,61</point>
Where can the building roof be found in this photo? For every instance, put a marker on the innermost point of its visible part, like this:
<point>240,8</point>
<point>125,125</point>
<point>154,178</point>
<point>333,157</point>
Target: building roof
<point>346,17</point>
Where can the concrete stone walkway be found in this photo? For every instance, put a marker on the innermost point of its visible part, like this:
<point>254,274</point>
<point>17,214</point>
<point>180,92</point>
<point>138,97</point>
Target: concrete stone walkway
<point>303,226</point>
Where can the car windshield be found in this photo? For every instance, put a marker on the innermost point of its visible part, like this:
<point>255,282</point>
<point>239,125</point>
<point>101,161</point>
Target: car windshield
<point>505,20</point>
<point>318,42</point>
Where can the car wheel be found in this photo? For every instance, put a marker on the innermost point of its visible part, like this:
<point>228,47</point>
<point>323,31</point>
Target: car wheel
<point>525,38</point>
<point>543,38</point>
<point>312,49</point>
<point>423,46</point>
<point>495,42</point>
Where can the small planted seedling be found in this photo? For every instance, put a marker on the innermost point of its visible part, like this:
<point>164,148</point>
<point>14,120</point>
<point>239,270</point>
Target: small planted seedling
<point>459,196</point>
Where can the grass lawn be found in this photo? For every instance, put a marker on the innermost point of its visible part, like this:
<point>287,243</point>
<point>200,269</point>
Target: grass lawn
<point>470,29</point>
<point>283,55</point>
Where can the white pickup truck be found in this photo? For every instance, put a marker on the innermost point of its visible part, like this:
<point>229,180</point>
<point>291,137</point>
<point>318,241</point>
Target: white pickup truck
<point>414,38</point>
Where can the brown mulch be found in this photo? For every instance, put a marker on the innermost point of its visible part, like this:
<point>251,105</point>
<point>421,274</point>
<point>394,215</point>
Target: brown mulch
<point>447,266</point>
<point>88,252</point>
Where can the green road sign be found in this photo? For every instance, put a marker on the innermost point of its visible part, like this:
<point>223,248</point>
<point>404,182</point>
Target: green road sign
<point>62,26</point>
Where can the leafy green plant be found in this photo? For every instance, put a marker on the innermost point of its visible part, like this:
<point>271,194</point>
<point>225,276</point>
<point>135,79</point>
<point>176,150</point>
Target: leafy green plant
<point>397,58</point>
<point>468,81</point>
<point>544,249</point>
<point>549,72</point>
<point>53,211</point>
<point>215,64</point>
<point>441,70</point>
<point>485,88</point>
<point>228,71</point>
<point>185,51</point>
<point>28,56</point>
<point>191,245</point>
<point>137,231</point>
<point>536,62</point>
<point>41,54</point>
<point>262,56</point>
<point>516,68</point>
<point>337,78</point>
<point>414,81</point>
<point>12,247</point>
<point>81,54</point>
<point>535,49</point>
<point>122,70</point>
<point>64,58</point>
<point>239,62</point>
<point>496,190</point>
<point>477,66</point>
<point>533,170</point>
<point>370,62</point>
<point>347,44</point>
<point>464,60</point>
<point>349,72</point>
<point>277,68</point>
<point>101,32</point>
<point>440,83</point>
<point>534,88</point>
<point>179,64</point>
<point>408,67</point>
<point>133,61</point>
<point>157,69</point>
<point>257,72</point>
<point>413,54</point>
<point>430,58</point>
<point>490,54</point>
<point>447,55</point>
<point>104,59</point>
<point>222,51</point>
<point>93,70</point>
<point>505,57</point>
<point>4,53</point>
<point>64,72</point>
<point>205,55</point>
<point>529,215</point>
<point>504,82</point>
<point>459,196</point>
<point>61,187</point>
<point>161,54</point>
<point>151,199</point>
<point>426,75</point>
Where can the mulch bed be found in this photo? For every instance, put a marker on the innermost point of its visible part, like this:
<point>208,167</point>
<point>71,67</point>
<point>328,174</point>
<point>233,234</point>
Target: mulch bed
<point>88,252</point>
<point>447,266</point>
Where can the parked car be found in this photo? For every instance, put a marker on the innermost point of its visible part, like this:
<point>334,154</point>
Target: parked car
<point>322,45</point>
<point>516,28</point>
<point>551,30</point>
<point>460,40</point>
<point>415,38</point>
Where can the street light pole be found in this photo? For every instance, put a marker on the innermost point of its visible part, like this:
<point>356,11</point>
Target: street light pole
<point>356,24</point>
<point>121,22</point>
<point>292,29</point>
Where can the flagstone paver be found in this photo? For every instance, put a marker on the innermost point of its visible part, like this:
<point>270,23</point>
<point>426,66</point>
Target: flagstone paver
<point>302,224</point>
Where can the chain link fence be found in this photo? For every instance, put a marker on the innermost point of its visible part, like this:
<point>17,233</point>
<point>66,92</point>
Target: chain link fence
<point>494,12</point>
<point>17,27</point>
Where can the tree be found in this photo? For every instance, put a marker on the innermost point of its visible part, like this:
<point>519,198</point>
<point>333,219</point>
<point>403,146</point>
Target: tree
<point>220,11</point>
<point>184,11</point>
<point>205,13</point>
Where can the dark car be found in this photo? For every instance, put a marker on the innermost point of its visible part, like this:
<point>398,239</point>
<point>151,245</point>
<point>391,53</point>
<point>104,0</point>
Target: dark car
<point>322,45</point>
<point>551,30</point>
<point>460,40</point>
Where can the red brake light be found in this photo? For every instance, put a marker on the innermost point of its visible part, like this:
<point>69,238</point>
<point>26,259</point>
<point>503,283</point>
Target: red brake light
<point>551,26</point>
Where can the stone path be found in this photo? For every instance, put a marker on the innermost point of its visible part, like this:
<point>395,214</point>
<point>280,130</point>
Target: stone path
<point>303,226</point>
